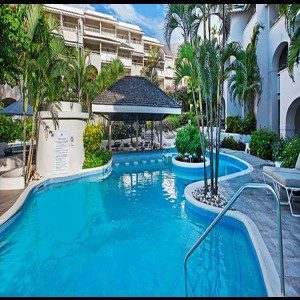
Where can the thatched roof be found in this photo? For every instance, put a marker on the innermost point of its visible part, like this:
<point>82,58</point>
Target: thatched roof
<point>135,95</point>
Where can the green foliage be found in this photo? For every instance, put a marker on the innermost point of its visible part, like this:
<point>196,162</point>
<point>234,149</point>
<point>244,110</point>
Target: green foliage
<point>261,143</point>
<point>237,125</point>
<point>290,153</point>
<point>95,156</point>
<point>13,41</point>
<point>249,123</point>
<point>234,124</point>
<point>230,143</point>
<point>92,138</point>
<point>278,148</point>
<point>92,161</point>
<point>188,141</point>
<point>12,130</point>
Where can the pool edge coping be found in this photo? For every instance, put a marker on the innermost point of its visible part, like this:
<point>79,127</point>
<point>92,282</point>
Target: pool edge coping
<point>15,208</point>
<point>270,275</point>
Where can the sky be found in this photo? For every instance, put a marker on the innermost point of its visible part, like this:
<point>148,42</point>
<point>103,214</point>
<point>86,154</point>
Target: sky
<point>150,17</point>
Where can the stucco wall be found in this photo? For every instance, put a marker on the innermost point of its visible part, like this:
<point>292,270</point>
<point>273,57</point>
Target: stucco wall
<point>73,123</point>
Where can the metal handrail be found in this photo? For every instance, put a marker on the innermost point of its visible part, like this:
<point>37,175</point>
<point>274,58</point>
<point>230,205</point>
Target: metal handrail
<point>222,213</point>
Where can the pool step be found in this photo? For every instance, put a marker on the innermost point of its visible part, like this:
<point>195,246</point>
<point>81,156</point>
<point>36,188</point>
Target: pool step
<point>136,163</point>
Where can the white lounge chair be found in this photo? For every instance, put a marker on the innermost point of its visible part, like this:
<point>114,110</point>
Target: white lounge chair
<point>288,179</point>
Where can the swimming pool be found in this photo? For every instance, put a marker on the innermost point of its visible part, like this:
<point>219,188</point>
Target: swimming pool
<point>126,235</point>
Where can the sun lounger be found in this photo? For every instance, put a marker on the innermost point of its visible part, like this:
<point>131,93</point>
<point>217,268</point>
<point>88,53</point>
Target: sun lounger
<point>288,179</point>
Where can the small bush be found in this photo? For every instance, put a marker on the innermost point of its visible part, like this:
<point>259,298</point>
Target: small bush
<point>230,143</point>
<point>249,124</point>
<point>95,156</point>
<point>261,143</point>
<point>278,148</point>
<point>234,124</point>
<point>237,125</point>
<point>92,161</point>
<point>290,153</point>
<point>11,130</point>
<point>188,141</point>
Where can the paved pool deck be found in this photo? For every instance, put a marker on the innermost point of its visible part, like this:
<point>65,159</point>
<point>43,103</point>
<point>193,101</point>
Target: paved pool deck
<point>259,206</point>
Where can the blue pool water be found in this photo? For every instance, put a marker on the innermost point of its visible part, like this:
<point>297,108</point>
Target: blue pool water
<point>126,235</point>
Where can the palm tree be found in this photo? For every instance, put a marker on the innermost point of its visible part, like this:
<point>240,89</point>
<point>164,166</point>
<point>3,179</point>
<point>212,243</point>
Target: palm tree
<point>152,64</point>
<point>43,63</point>
<point>290,11</point>
<point>245,83</point>
<point>181,16</point>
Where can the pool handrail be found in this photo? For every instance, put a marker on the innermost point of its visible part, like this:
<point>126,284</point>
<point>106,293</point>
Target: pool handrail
<point>222,213</point>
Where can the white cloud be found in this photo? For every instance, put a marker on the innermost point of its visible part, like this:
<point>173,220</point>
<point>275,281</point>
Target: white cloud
<point>82,6</point>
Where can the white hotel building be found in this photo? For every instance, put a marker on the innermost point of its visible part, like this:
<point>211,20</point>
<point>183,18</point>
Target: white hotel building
<point>107,39</point>
<point>279,105</point>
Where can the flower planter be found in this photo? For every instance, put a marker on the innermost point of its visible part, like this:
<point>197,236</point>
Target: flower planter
<point>189,170</point>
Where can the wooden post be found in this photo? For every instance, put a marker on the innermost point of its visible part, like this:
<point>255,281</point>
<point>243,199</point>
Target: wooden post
<point>160,138</point>
<point>151,134</point>
<point>137,133</point>
<point>109,133</point>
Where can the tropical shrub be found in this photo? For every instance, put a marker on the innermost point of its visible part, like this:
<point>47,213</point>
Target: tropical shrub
<point>92,161</point>
<point>237,125</point>
<point>12,130</point>
<point>95,156</point>
<point>230,143</point>
<point>278,148</point>
<point>249,123</point>
<point>261,143</point>
<point>290,153</point>
<point>188,141</point>
<point>234,124</point>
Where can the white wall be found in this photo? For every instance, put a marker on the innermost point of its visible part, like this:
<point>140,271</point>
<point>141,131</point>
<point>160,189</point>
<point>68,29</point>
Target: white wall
<point>73,123</point>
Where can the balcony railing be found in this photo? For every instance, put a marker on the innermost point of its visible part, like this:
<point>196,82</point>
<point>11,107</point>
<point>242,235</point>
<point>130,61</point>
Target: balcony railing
<point>136,42</point>
<point>69,27</point>
<point>108,31</point>
<point>93,29</point>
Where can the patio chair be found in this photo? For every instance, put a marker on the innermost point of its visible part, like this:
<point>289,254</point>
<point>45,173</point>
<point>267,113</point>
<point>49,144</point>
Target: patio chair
<point>288,179</point>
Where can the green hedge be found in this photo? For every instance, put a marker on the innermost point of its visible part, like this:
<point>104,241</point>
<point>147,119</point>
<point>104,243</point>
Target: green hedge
<point>230,143</point>
<point>11,130</point>
<point>237,125</point>
<point>188,141</point>
<point>95,155</point>
<point>290,152</point>
<point>262,142</point>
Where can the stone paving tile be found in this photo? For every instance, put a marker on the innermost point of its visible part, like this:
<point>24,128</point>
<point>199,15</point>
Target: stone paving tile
<point>7,199</point>
<point>259,206</point>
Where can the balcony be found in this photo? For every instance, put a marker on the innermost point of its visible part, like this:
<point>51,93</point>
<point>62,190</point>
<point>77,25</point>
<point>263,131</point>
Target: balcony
<point>122,39</point>
<point>125,59</point>
<point>92,30</point>
<point>70,33</point>
<point>108,32</point>
<point>136,68</point>
<point>95,59</point>
<point>108,56</point>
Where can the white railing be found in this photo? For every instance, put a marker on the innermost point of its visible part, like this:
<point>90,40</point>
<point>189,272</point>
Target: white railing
<point>93,29</point>
<point>108,31</point>
<point>122,39</point>
<point>135,42</point>
<point>70,28</point>
<point>126,61</point>
<point>108,56</point>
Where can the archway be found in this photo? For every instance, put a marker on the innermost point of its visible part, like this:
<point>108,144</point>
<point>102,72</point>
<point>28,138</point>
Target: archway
<point>279,62</point>
<point>292,119</point>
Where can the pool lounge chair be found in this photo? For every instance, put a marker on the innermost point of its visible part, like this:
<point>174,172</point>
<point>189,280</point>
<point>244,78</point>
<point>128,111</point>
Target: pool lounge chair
<point>288,179</point>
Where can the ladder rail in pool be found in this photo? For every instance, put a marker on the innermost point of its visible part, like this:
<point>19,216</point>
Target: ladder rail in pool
<point>222,213</point>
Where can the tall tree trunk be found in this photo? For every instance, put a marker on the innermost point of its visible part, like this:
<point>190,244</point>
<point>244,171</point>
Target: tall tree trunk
<point>203,142</point>
<point>219,110</point>
<point>201,138</point>
<point>211,143</point>
<point>25,123</point>
<point>30,154</point>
